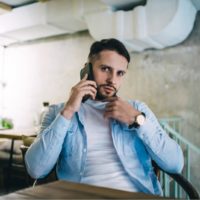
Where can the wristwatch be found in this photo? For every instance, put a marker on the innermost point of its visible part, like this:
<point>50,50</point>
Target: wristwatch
<point>139,121</point>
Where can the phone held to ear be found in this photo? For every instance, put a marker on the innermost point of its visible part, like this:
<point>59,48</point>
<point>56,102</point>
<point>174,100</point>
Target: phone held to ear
<point>87,70</point>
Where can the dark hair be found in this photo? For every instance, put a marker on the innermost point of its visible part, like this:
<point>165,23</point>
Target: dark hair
<point>108,44</point>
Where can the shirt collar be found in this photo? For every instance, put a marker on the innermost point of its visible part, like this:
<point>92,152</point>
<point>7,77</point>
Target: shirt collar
<point>96,104</point>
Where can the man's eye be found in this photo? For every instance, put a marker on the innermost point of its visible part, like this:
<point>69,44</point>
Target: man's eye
<point>121,73</point>
<point>105,69</point>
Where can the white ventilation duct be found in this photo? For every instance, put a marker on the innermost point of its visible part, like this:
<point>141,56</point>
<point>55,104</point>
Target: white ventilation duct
<point>158,24</point>
<point>45,19</point>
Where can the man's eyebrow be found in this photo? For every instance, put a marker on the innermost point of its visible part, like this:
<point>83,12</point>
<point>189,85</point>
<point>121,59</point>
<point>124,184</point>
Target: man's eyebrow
<point>120,70</point>
<point>103,65</point>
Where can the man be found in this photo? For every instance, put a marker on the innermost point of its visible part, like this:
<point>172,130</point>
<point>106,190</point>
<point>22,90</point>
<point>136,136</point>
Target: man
<point>104,140</point>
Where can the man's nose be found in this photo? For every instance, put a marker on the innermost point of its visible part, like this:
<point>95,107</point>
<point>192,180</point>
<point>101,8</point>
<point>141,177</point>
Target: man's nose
<point>112,78</point>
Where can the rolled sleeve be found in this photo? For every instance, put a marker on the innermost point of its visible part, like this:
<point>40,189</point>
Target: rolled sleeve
<point>44,152</point>
<point>146,132</point>
<point>162,149</point>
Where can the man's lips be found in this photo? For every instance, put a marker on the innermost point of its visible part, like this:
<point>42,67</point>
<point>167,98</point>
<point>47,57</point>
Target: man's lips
<point>109,88</point>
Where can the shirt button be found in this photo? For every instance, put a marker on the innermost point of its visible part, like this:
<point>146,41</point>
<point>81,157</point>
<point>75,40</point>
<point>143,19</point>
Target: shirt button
<point>84,150</point>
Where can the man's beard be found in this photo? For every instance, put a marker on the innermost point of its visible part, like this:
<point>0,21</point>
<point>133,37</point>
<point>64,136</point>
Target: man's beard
<point>100,96</point>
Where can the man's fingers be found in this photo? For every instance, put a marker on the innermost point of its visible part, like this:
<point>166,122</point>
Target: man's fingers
<point>110,107</point>
<point>89,88</point>
<point>89,92</point>
<point>115,104</point>
<point>112,114</point>
<point>86,82</point>
<point>85,77</point>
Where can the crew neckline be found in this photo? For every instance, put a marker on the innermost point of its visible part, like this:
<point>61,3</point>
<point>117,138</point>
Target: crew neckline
<point>96,104</point>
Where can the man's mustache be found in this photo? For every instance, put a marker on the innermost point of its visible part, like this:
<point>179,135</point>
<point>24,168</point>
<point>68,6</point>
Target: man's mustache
<point>107,85</point>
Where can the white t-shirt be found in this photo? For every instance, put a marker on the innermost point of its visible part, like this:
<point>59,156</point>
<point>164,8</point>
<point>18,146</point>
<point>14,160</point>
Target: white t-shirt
<point>103,167</point>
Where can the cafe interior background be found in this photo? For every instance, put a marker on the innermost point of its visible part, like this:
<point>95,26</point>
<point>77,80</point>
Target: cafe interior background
<point>44,44</point>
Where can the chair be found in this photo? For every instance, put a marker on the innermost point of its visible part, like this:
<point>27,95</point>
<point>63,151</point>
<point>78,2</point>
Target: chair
<point>180,180</point>
<point>29,180</point>
<point>185,184</point>
<point>11,165</point>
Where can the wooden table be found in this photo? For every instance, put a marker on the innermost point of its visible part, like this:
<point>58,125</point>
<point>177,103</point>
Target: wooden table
<point>16,134</point>
<point>69,190</point>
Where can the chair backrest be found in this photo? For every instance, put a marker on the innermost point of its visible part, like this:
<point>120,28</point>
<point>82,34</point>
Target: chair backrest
<point>186,185</point>
<point>181,180</point>
<point>27,141</point>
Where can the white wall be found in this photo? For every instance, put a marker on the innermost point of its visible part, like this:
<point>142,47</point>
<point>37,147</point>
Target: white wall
<point>1,79</point>
<point>41,71</point>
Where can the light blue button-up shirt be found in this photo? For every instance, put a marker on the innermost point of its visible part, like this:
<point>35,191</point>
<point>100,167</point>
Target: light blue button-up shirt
<point>64,142</point>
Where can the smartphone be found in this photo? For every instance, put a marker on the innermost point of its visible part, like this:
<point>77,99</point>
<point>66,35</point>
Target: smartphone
<point>87,70</point>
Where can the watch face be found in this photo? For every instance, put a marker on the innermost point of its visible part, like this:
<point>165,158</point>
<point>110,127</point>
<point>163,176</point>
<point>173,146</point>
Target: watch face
<point>140,119</point>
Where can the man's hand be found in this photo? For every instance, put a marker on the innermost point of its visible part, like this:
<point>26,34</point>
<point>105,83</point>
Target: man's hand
<point>120,110</point>
<point>84,87</point>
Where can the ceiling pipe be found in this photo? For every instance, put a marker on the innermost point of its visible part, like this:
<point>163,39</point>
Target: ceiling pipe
<point>158,24</point>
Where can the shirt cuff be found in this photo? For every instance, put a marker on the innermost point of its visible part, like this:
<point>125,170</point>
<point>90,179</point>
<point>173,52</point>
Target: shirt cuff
<point>146,131</point>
